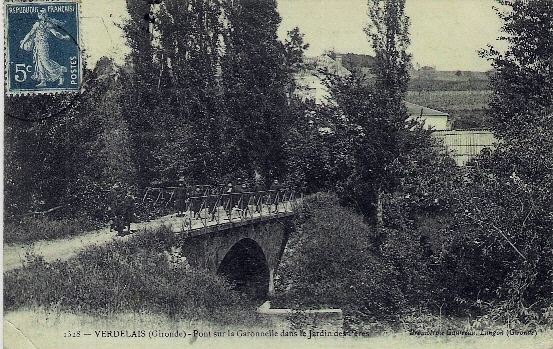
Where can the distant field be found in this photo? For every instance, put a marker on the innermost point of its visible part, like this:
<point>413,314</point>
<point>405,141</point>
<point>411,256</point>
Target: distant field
<point>432,80</point>
<point>449,75</point>
<point>450,100</point>
<point>466,108</point>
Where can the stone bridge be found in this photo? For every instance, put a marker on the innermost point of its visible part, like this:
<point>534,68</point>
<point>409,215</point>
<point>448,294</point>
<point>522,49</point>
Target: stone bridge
<point>243,242</point>
<point>246,254</point>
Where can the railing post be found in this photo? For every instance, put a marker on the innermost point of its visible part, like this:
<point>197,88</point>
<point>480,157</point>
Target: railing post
<point>217,205</point>
<point>203,208</point>
<point>170,197</point>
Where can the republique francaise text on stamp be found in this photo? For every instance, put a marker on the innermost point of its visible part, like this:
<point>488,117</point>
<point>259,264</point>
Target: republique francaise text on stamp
<point>42,47</point>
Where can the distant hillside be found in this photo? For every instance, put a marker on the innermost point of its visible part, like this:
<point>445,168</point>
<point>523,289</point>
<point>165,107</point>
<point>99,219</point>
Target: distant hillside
<point>423,79</point>
<point>428,79</point>
<point>448,75</point>
<point>462,94</point>
<point>356,62</point>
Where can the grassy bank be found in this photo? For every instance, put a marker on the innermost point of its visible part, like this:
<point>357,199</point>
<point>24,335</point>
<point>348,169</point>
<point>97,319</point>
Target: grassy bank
<point>29,229</point>
<point>134,276</point>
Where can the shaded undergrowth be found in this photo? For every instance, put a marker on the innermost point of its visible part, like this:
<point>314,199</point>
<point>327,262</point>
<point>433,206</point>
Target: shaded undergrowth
<point>384,280</point>
<point>141,274</point>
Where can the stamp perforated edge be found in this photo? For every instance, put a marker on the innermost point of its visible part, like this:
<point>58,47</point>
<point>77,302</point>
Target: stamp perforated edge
<point>7,91</point>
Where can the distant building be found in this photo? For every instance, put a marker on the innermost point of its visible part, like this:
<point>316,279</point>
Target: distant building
<point>463,144</point>
<point>309,81</point>
<point>466,144</point>
<point>432,118</point>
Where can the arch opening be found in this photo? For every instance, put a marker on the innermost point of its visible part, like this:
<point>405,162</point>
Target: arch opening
<point>246,267</point>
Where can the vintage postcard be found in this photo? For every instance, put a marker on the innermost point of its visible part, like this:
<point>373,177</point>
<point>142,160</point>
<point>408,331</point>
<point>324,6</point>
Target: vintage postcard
<point>277,173</point>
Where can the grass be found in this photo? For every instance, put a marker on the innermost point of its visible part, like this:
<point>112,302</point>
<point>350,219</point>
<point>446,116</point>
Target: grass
<point>30,229</point>
<point>134,276</point>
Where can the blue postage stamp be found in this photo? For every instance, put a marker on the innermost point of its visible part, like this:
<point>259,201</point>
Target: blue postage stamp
<point>42,47</point>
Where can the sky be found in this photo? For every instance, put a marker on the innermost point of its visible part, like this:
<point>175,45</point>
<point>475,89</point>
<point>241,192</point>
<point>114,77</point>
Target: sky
<point>445,34</point>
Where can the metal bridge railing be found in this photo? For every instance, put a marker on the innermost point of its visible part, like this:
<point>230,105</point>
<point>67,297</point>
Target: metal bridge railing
<point>206,211</point>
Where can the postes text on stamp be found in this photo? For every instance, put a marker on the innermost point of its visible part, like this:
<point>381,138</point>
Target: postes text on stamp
<point>42,47</point>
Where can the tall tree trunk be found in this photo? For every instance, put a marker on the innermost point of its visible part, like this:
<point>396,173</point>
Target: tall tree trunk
<point>379,208</point>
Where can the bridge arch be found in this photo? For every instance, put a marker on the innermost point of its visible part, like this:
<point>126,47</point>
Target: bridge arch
<point>246,266</point>
<point>242,253</point>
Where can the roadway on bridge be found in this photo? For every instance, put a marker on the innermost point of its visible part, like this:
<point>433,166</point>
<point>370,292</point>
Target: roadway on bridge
<point>65,248</point>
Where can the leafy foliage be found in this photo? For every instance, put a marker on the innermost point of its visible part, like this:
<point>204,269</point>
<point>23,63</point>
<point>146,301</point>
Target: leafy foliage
<point>182,106</point>
<point>336,260</point>
<point>312,161</point>
<point>126,276</point>
<point>370,119</point>
<point>523,95</point>
<point>255,81</point>
<point>68,157</point>
<point>171,98</point>
<point>472,241</point>
<point>388,31</point>
<point>515,193</point>
<point>330,262</point>
<point>294,47</point>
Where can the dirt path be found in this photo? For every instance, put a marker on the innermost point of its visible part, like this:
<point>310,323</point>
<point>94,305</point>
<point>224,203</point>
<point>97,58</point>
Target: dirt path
<point>63,249</point>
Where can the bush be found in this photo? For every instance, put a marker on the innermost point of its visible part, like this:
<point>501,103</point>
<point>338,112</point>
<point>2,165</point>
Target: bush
<point>330,262</point>
<point>30,229</point>
<point>126,276</point>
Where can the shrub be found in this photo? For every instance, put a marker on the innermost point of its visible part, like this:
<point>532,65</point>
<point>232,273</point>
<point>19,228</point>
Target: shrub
<point>126,276</point>
<point>30,229</point>
<point>330,262</point>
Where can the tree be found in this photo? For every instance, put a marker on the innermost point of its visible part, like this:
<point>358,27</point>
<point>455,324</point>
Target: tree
<point>34,174</point>
<point>189,46</point>
<point>521,107</point>
<point>294,47</point>
<point>509,210</point>
<point>142,99</point>
<point>523,82</point>
<point>312,160</point>
<point>373,117</point>
<point>255,82</point>
<point>173,101</point>
<point>388,31</point>
<point>68,159</point>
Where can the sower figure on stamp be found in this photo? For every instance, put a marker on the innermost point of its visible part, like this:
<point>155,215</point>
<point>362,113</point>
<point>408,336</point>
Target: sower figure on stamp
<point>36,40</point>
